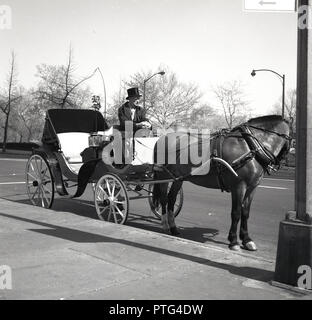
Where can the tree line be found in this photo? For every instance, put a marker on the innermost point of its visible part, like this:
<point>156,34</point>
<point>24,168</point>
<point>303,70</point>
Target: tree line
<point>169,102</point>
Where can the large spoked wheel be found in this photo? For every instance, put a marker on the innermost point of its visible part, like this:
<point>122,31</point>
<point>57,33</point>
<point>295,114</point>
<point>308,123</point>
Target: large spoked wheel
<point>111,199</point>
<point>156,207</point>
<point>39,182</point>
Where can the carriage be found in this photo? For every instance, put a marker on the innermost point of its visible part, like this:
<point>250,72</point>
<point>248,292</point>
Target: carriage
<point>71,157</point>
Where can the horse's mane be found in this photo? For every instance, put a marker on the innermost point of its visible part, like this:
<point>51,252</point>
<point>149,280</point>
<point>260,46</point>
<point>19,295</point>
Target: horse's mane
<point>266,119</point>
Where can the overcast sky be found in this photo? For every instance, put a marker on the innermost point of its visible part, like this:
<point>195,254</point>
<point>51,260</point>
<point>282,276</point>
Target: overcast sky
<point>204,41</point>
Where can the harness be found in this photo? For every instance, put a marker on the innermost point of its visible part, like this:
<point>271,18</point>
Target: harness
<point>258,150</point>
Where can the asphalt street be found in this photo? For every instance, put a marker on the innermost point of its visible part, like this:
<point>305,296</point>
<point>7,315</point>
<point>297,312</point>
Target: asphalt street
<point>205,216</point>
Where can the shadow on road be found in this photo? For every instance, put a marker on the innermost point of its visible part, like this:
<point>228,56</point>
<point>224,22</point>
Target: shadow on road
<point>87,237</point>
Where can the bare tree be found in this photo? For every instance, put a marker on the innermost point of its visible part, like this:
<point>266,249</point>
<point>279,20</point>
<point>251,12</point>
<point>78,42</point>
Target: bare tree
<point>231,98</point>
<point>29,117</point>
<point>59,86</point>
<point>9,98</point>
<point>201,116</point>
<point>118,99</point>
<point>167,100</point>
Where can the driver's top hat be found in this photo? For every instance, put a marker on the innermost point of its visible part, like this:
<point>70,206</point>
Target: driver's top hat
<point>133,92</point>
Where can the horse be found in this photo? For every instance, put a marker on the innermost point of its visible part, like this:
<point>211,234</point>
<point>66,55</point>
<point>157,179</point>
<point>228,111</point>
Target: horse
<point>250,149</point>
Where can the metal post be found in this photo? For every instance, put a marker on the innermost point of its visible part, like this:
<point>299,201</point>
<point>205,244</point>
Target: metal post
<point>301,123</point>
<point>144,94</point>
<point>283,102</point>
<point>295,232</point>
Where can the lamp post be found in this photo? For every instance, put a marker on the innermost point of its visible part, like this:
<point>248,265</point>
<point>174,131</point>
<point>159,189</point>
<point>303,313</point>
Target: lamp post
<point>98,69</point>
<point>253,73</point>
<point>144,84</point>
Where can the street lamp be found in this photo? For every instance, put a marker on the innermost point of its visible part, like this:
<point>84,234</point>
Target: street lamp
<point>144,84</point>
<point>253,73</point>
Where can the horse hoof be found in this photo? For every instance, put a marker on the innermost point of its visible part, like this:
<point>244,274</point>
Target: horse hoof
<point>235,247</point>
<point>175,232</point>
<point>250,246</point>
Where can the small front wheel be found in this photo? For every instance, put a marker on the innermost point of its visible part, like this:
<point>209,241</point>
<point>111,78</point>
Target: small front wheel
<point>111,199</point>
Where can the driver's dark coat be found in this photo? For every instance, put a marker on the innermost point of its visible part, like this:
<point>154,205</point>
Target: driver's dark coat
<point>124,114</point>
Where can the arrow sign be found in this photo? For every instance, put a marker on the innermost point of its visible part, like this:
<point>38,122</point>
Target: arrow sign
<point>270,6</point>
<point>266,2</point>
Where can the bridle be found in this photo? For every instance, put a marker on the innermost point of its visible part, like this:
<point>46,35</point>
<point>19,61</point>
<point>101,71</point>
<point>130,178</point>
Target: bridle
<point>282,135</point>
<point>265,157</point>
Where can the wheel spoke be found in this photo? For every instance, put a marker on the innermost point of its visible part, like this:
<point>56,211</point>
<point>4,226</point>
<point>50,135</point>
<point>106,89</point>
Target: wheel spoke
<point>120,212</point>
<point>40,165</point>
<point>37,166</point>
<point>110,213</point>
<point>118,193</point>
<point>33,196</point>
<point>31,176</point>
<point>34,171</point>
<point>44,196</point>
<point>108,188</point>
<point>114,186</point>
<point>114,214</point>
<point>104,192</point>
<point>119,202</point>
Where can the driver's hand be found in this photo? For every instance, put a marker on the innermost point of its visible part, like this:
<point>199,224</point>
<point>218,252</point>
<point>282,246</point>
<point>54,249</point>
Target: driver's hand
<point>145,125</point>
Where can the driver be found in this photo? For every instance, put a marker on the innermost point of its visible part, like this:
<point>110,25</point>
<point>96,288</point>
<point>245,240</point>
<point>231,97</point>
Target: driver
<point>130,111</point>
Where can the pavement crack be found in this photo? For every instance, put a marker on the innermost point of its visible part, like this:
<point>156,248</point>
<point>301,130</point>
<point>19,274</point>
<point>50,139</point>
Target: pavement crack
<point>109,261</point>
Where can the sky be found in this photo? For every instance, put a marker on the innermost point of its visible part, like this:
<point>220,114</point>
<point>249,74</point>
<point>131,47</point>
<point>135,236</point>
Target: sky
<point>204,42</point>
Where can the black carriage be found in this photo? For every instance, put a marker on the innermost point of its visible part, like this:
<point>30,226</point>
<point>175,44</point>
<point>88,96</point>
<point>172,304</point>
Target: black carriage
<point>71,157</point>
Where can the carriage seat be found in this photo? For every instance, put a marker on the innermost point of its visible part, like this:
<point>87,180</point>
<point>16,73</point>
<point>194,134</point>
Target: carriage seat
<point>73,143</point>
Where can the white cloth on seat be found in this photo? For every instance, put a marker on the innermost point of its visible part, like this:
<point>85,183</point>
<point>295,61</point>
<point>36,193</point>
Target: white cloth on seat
<point>144,150</point>
<point>72,144</point>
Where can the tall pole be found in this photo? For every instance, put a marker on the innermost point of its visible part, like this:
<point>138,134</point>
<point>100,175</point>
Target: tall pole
<point>144,83</point>
<point>304,109</point>
<point>104,91</point>
<point>295,233</point>
<point>283,98</point>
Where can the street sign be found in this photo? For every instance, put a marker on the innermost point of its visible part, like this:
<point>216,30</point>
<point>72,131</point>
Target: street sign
<point>270,5</point>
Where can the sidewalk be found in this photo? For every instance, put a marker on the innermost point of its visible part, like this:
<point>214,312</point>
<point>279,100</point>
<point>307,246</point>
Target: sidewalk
<point>59,255</point>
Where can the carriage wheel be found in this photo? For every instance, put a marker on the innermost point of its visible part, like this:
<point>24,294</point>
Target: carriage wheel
<point>156,208</point>
<point>39,182</point>
<point>111,199</point>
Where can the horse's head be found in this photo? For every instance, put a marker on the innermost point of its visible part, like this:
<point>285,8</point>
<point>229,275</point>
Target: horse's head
<point>278,129</point>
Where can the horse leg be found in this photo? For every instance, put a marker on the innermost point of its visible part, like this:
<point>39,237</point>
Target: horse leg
<point>163,199</point>
<point>247,242</point>
<point>172,197</point>
<point>237,200</point>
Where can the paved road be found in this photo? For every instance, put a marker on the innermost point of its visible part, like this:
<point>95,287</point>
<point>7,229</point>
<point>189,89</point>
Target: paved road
<point>205,216</point>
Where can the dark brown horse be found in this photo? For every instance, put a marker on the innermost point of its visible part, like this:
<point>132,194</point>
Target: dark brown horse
<point>250,149</point>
